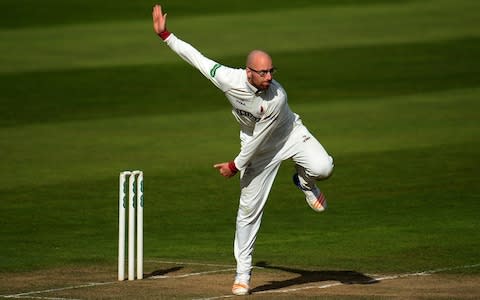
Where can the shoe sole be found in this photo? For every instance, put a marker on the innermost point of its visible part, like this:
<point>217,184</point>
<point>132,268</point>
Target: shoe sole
<point>319,204</point>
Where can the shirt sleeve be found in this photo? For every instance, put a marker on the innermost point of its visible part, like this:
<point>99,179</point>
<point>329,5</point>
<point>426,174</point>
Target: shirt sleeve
<point>218,74</point>
<point>261,133</point>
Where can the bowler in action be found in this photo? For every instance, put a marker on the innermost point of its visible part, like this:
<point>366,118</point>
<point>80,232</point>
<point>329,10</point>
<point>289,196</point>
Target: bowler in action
<point>269,134</point>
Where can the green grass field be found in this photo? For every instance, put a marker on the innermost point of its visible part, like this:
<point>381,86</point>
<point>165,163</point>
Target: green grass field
<point>390,88</point>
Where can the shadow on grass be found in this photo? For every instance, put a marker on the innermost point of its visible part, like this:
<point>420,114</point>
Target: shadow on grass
<point>163,272</point>
<point>305,276</point>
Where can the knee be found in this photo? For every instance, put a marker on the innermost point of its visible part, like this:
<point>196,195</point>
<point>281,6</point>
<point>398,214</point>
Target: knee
<point>322,169</point>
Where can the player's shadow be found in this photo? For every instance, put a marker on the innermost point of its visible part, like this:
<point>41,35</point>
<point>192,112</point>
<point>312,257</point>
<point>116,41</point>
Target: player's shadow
<point>163,272</point>
<point>305,276</point>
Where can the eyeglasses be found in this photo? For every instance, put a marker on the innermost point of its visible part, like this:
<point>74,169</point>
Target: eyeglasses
<point>264,73</point>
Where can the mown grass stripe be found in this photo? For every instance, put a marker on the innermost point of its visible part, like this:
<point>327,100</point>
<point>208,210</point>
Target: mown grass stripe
<point>101,44</point>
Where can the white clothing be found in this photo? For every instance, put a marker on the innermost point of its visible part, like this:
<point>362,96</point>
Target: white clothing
<point>270,133</point>
<point>262,115</point>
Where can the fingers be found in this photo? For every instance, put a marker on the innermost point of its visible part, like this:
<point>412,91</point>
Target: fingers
<point>159,19</point>
<point>157,8</point>
<point>157,12</point>
<point>154,14</point>
<point>155,17</point>
<point>223,169</point>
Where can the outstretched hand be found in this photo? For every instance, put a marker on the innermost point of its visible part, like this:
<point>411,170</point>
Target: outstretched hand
<point>159,19</point>
<point>225,170</point>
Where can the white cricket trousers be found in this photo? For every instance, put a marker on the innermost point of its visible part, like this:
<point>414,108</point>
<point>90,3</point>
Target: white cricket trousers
<point>312,163</point>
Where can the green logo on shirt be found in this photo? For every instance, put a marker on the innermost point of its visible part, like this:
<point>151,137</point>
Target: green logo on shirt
<point>214,69</point>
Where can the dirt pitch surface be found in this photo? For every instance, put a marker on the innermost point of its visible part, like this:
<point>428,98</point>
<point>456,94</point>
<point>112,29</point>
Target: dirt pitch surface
<point>175,280</point>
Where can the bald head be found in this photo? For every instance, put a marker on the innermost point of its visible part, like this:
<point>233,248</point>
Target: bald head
<point>259,69</point>
<point>258,59</point>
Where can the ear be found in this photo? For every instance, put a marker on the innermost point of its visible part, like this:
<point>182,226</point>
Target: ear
<point>249,74</point>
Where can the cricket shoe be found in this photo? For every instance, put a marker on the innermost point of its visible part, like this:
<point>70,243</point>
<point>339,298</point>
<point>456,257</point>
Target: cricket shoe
<point>315,198</point>
<point>240,288</point>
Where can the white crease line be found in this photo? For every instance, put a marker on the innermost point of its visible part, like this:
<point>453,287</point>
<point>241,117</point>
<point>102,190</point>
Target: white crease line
<point>196,264</point>
<point>383,278</point>
<point>187,263</point>
<point>94,284</point>
<point>44,298</point>
<point>192,274</point>
<point>29,294</point>
<point>24,295</point>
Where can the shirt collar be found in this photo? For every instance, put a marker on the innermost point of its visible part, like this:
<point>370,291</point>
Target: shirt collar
<point>252,88</point>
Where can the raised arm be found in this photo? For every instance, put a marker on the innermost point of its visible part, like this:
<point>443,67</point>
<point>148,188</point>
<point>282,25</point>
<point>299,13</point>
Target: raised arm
<point>218,74</point>
<point>159,19</point>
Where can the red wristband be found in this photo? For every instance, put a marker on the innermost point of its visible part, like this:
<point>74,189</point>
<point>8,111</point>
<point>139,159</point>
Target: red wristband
<point>164,34</point>
<point>232,167</point>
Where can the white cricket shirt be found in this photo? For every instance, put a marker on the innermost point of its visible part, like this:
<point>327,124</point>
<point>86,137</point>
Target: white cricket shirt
<point>265,118</point>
